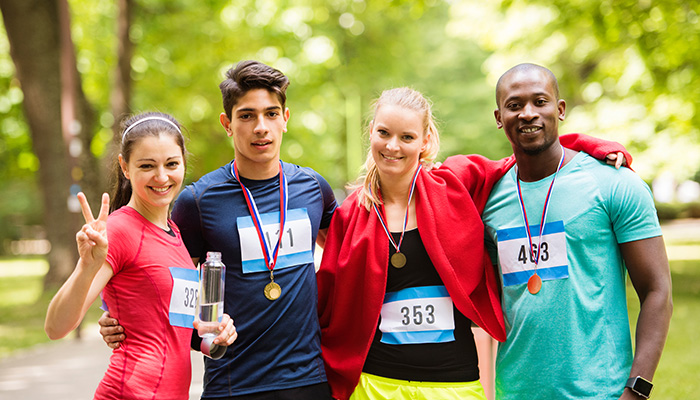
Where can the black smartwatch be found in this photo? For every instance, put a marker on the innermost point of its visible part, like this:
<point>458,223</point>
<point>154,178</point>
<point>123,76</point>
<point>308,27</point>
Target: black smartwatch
<point>640,386</point>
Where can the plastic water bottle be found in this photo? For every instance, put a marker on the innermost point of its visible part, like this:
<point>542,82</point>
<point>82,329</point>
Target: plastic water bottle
<point>212,278</point>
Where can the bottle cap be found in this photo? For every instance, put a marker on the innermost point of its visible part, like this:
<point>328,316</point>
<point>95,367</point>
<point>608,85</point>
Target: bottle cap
<point>211,350</point>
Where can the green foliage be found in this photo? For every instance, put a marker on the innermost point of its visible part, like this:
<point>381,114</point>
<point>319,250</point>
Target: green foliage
<point>338,55</point>
<point>667,211</point>
<point>628,70</point>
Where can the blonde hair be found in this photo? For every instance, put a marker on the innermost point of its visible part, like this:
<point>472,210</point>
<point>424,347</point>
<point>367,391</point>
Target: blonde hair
<point>412,100</point>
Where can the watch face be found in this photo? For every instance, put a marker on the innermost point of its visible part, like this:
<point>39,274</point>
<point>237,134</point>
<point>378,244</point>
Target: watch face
<point>642,386</point>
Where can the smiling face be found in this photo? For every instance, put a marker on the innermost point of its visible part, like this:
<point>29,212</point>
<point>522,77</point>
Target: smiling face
<point>529,110</point>
<point>156,169</point>
<point>257,123</point>
<point>397,139</point>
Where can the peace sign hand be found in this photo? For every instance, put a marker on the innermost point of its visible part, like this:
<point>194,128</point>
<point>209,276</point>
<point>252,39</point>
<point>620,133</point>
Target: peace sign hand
<point>92,238</point>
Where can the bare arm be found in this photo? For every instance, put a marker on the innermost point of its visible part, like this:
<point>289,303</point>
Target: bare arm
<point>321,237</point>
<point>91,274</point>
<point>650,275</point>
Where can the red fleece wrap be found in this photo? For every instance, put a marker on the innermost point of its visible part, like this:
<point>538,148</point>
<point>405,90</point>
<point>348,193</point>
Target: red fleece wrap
<point>353,273</point>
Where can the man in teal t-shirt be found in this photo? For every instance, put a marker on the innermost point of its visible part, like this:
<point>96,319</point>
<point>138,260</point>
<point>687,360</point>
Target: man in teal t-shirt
<point>568,335</point>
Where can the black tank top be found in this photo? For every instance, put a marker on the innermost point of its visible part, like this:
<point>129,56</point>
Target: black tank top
<point>447,361</point>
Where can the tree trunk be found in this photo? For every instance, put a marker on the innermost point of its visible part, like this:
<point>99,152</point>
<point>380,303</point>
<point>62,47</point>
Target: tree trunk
<point>34,33</point>
<point>121,89</point>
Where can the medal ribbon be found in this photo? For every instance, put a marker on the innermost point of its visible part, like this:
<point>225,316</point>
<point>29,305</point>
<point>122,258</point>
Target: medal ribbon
<point>544,210</point>
<point>405,220</point>
<point>270,259</point>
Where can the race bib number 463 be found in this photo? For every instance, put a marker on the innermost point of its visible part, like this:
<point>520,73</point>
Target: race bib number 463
<point>518,262</point>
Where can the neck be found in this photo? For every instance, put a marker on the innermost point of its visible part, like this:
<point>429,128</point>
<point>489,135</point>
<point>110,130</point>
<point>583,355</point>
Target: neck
<point>258,171</point>
<point>395,190</point>
<point>158,216</point>
<point>534,167</point>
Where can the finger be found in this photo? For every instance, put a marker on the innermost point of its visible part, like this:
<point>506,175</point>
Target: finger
<point>227,336</point>
<point>620,160</point>
<point>112,339</point>
<point>85,207</point>
<point>106,320</point>
<point>95,237</point>
<point>228,331</point>
<point>114,345</point>
<point>104,208</point>
<point>232,338</point>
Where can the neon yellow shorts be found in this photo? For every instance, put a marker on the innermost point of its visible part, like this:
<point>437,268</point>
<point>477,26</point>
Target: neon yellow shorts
<point>372,387</point>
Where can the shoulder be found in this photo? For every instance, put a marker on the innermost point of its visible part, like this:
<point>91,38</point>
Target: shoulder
<point>124,224</point>
<point>219,176</point>
<point>294,171</point>
<point>607,175</point>
<point>122,218</point>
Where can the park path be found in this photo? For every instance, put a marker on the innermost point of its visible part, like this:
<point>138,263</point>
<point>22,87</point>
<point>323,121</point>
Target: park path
<point>68,369</point>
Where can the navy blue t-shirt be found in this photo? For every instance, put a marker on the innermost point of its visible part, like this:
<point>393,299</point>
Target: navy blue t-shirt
<point>278,345</point>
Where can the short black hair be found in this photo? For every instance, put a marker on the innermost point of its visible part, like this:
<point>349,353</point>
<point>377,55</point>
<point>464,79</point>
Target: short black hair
<point>248,75</point>
<point>527,67</point>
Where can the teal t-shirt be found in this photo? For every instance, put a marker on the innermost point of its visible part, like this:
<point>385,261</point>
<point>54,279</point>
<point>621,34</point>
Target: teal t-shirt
<point>572,339</point>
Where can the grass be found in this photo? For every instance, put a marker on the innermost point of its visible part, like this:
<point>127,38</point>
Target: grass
<point>23,305</point>
<point>676,376</point>
<point>23,308</point>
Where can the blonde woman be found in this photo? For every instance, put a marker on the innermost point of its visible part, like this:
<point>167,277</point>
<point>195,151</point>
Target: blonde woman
<point>404,271</point>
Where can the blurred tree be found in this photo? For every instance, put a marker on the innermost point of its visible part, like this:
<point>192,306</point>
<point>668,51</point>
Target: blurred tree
<point>629,70</point>
<point>58,116</point>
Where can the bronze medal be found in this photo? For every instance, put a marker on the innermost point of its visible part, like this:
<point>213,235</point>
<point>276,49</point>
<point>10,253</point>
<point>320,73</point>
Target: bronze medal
<point>398,260</point>
<point>534,284</point>
<point>273,291</point>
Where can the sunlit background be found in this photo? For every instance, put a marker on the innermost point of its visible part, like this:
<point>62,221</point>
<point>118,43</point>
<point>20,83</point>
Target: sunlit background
<point>628,69</point>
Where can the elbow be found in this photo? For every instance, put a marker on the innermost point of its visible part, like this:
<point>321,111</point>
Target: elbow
<point>53,332</point>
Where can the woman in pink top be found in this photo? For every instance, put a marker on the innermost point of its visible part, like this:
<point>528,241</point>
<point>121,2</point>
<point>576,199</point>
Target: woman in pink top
<point>135,257</point>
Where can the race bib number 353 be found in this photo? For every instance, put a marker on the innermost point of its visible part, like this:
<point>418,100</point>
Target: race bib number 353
<point>417,315</point>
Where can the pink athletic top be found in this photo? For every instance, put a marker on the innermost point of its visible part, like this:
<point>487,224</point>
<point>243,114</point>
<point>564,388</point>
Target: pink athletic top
<point>154,360</point>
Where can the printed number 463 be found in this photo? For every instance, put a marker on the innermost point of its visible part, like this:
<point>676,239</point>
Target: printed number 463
<point>523,253</point>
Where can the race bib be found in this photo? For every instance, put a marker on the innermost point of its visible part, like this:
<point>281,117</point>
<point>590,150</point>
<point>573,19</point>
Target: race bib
<point>295,248</point>
<point>417,315</point>
<point>183,300</point>
<point>517,262</point>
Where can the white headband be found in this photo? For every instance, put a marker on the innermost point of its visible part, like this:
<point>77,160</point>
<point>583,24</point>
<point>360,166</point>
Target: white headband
<point>149,119</point>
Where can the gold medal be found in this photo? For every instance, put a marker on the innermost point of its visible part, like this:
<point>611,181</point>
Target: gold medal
<point>534,284</point>
<point>273,291</point>
<point>398,260</point>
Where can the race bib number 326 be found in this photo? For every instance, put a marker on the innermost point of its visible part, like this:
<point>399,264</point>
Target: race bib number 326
<point>183,300</point>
